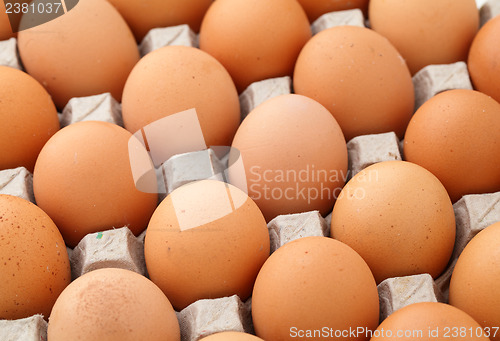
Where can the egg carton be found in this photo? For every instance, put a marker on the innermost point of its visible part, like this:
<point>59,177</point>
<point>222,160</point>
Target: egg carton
<point>489,10</point>
<point>352,17</point>
<point>32,328</point>
<point>119,248</point>
<point>433,79</point>
<point>17,182</point>
<point>9,55</point>
<point>156,38</point>
<point>101,107</point>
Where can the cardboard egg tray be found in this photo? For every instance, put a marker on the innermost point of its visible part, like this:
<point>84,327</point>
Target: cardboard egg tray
<point>120,248</point>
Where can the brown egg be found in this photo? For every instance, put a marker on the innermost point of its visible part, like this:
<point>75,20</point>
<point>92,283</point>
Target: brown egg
<point>5,28</point>
<point>483,63</point>
<point>456,136</point>
<point>429,321</point>
<point>231,336</point>
<point>28,119</point>
<point>315,9</point>
<point>474,284</point>
<point>398,217</point>
<point>359,77</point>
<point>113,305</point>
<point>177,78</point>
<point>88,51</point>
<point>34,264</point>
<point>83,180</point>
<point>207,239</point>
<point>314,288</point>
<point>255,40</point>
<point>294,156</point>
<point>143,16</point>
<point>427,32</point>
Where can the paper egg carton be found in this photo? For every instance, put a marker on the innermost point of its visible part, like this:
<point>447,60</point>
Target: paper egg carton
<point>120,248</point>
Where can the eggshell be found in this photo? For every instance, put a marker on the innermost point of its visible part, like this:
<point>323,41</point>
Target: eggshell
<point>143,16</point>
<point>359,77</point>
<point>255,40</point>
<point>231,336</point>
<point>294,156</point>
<point>207,239</point>
<point>483,63</point>
<point>429,321</point>
<point>87,51</point>
<point>5,28</point>
<point>316,8</point>
<point>176,78</point>
<point>34,264</point>
<point>456,136</point>
<point>113,305</point>
<point>83,180</point>
<point>314,283</point>
<point>474,283</point>
<point>28,119</point>
<point>398,217</point>
<point>427,32</point>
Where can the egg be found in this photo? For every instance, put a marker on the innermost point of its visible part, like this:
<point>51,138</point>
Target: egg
<point>83,180</point>
<point>231,336</point>
<point>483,63</point>
<point>359,77</point>
<point>5,26</point>
<point>177,78</point>
<point>456,136</point>
<point>255,40</point>
<point>87,51</point>
<point>315,9</point>
<point>398,217</point>
<point>113,305</point>
<point>207,239</point>
<point>427,32</point>
<point>143,16</point>
<point>314,288</point>
<point>474,283</point>
<point>429,321</point>
<point>28,119</point>
<point>34,264</point>
<point>294,156</point>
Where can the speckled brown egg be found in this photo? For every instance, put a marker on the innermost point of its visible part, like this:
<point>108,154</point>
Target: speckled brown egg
<point>484,54</point>
<point>113,305</point>
<point>294,156</point>
<point>314,284</point>
<point>456,136</point>
<point>87,51</point>
<point>207,239</point>
<point>429,321</point>
<point>474,283</point>
<point>83,180</point>
<point>255,40</point>
<point>28,119</point>
<point>316,8</point>
<point>34,263</point>
<point>427,32</point>
<point>359,77</point>
<point>143,16</point>
<point>398,217</point>
<point>177,78</point>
